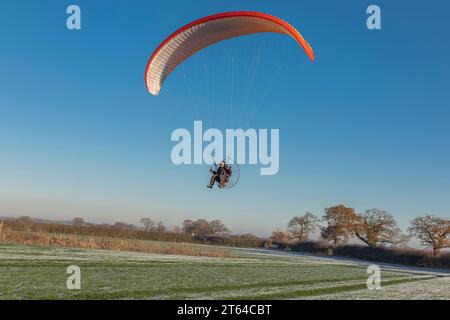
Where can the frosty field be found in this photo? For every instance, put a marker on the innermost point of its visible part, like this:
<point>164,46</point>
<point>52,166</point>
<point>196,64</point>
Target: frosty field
<point>31,272</point>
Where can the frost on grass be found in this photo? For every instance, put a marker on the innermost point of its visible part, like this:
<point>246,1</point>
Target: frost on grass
<point>30,272</point>
<point>437,288</point>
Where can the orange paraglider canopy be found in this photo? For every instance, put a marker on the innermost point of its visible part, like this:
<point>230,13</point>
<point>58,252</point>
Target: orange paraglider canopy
<point>206,31</point>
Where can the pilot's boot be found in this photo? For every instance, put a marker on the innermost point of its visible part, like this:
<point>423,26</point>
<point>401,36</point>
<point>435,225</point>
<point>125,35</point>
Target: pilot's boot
<point>211,182</point>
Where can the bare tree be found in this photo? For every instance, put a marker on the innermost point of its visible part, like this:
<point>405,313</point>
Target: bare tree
<point>148,224</point>
<point>201,227</point>
<point>218,228</point>
<point>376,226</point>
<point>432,231</point>
<point>187,226</point>
<point>160,227</point>
<point>120,225</point>
<point>24,222</point>
<point>341,221</point>
<point>78,222</point>
<point>279,235</point>
<point>301,226</point>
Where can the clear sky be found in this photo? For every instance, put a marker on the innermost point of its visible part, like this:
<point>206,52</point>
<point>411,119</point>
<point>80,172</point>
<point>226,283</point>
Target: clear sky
<point>366,125</point>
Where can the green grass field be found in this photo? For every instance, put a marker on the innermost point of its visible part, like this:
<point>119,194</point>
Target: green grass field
<point>32,272</point>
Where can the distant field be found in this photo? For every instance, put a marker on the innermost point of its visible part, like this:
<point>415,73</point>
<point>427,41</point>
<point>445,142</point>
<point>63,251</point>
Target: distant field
<point>33,272</point>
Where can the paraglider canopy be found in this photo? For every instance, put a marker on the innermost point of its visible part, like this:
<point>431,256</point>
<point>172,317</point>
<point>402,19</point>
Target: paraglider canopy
<point>204,32</point>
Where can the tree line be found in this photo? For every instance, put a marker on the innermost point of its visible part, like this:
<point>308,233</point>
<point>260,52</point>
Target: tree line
<point>191,231</point>
<point>374,227</point>
<point>200,227</point>
<point>338,225</point>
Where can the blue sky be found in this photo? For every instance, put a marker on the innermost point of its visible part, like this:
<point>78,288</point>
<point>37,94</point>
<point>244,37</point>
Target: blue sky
<point>367,125</point>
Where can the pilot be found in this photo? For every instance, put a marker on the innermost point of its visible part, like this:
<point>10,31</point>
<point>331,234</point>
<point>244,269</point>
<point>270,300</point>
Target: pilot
<point>223,171</point>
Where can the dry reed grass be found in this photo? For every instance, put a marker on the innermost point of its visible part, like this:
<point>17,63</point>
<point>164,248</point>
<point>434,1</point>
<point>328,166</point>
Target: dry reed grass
<point>71,241</point>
